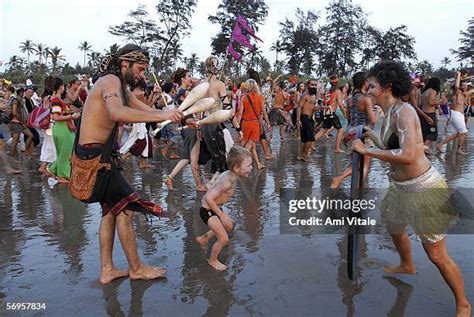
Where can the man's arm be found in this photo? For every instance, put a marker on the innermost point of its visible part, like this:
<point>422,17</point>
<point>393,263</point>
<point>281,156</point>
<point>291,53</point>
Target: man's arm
<point>111,95</point>
<point>457,83</point>
<point>135,103</point>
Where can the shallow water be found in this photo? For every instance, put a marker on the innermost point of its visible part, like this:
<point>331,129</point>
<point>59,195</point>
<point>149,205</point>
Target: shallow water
<point>49,250</point>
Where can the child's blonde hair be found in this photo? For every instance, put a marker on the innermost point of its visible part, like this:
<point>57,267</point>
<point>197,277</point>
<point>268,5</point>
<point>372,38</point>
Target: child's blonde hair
<point>236,156</point>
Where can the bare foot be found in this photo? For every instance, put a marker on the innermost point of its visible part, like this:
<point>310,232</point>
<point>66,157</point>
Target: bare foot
<point>313,147</point>
<point>107,276</point>
<point>175,157</point>
<point>439,147</point>
<point>463,311</point>
<point>461,152</point>
<point>336,182</point>
<point>399,270</point>
<point>146,166</point>
<point>269,157</point>
<point>260,166</point>
<point>217,265</point>
<point>338,151</point>
<point>202,241</point>
<point>148,273</point>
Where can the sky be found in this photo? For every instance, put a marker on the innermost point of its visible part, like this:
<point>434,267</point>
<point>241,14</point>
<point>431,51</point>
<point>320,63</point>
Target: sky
<point>435,24</point>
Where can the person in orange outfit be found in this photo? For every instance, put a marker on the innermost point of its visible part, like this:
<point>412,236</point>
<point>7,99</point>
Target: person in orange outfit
<point>252,114</point>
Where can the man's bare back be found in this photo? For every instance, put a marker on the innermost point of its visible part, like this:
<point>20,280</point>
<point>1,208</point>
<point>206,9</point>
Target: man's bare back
<point>337,101</point>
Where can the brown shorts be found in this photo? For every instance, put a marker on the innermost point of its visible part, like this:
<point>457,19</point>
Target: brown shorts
<point>16,127</point>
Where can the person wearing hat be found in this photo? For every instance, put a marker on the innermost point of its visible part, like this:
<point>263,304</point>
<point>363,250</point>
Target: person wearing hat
<point>332,100</point>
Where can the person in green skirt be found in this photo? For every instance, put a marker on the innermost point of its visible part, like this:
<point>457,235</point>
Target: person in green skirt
<point>63,134</point>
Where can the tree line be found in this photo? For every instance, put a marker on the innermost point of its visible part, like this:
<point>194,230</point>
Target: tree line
<point>306,44</point>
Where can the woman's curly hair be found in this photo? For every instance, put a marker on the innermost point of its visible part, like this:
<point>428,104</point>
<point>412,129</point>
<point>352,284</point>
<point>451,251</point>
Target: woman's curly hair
<point>393,74</point>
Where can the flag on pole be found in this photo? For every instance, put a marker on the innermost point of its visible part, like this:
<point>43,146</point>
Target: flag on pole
<point>242,21</point>
<point>233,53</point>
<point>241,38</point>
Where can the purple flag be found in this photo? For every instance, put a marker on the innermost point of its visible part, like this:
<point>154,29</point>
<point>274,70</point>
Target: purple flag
<point>240,38</point>
<point>245,25</point>
<point>232,52</point>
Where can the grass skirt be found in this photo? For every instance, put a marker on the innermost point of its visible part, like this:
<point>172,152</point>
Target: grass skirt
<point>423,203</point>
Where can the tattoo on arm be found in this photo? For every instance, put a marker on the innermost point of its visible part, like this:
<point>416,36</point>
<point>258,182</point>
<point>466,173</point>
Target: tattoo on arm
<point>110,95</point>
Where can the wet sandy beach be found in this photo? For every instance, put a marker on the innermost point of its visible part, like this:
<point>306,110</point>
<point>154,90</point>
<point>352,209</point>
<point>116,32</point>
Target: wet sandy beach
<point>49,250</point>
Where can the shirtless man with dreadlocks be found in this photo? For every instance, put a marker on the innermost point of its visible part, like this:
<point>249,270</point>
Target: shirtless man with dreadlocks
<point>109,102</point>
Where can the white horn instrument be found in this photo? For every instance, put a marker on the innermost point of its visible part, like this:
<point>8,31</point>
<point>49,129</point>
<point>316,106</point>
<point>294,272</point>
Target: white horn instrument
<point>216,117</point>
<point>198,92</point>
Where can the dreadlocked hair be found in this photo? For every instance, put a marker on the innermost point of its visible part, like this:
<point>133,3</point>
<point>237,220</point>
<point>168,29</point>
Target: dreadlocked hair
<point>110,65</point>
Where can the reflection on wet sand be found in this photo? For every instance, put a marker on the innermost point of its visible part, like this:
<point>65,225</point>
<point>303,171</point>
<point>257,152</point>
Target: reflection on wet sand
<point>49,246</point>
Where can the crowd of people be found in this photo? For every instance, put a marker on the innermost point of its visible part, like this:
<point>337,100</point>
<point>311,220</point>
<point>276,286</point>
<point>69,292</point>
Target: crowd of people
<point>86,120</point>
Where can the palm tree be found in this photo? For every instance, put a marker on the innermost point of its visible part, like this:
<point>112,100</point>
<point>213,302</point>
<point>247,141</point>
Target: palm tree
<point>112,49</point>
<point>94,59</point>
<point>28,47</point>
<point>176,52</point>
<point>85,46</point>
<point>191,62</point>
<point>425,67</point>
<point>46,54</point>
<point>445,62</point>
<point>56,57</point>
<point>15,62</point>
<point>40,50</point>
<point>277,48</point>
